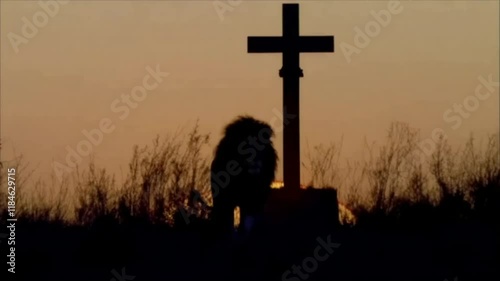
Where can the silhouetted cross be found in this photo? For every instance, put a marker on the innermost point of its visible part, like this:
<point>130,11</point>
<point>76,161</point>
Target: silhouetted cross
<point>291,44</point>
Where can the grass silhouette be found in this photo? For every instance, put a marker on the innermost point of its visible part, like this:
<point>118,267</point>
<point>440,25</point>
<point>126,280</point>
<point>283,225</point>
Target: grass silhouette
<point>84,226</point>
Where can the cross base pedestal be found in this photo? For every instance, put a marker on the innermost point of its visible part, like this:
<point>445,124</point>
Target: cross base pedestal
<point>309,211</point>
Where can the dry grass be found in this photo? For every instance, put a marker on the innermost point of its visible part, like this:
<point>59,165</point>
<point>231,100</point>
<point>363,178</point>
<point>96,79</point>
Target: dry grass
<point>397,183</point>
<point>170,178</point>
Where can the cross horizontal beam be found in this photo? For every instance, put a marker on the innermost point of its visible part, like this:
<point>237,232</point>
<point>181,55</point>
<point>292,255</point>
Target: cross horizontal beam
<point>291,44</point>
<point>305,44</point>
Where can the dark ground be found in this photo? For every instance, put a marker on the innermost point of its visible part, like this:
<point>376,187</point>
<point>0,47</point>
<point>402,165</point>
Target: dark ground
<point>469,251</point>
<point>54,253</point>
<point>465,249</point>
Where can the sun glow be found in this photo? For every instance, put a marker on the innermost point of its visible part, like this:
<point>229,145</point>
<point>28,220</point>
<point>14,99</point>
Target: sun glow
<point>281,184</point>
<point>277,184</point>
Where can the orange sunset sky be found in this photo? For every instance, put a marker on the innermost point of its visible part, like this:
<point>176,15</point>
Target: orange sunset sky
<point>66,78</point>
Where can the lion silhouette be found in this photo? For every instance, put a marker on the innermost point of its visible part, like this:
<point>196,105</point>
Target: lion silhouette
<point>242,171</point>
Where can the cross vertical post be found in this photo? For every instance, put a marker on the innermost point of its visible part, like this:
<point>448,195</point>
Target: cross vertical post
<point>291,73</point>
<point>291,44</point>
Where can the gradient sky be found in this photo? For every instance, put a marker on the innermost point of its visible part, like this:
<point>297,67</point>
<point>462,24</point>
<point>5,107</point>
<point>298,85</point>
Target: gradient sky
<point>64,79</point>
